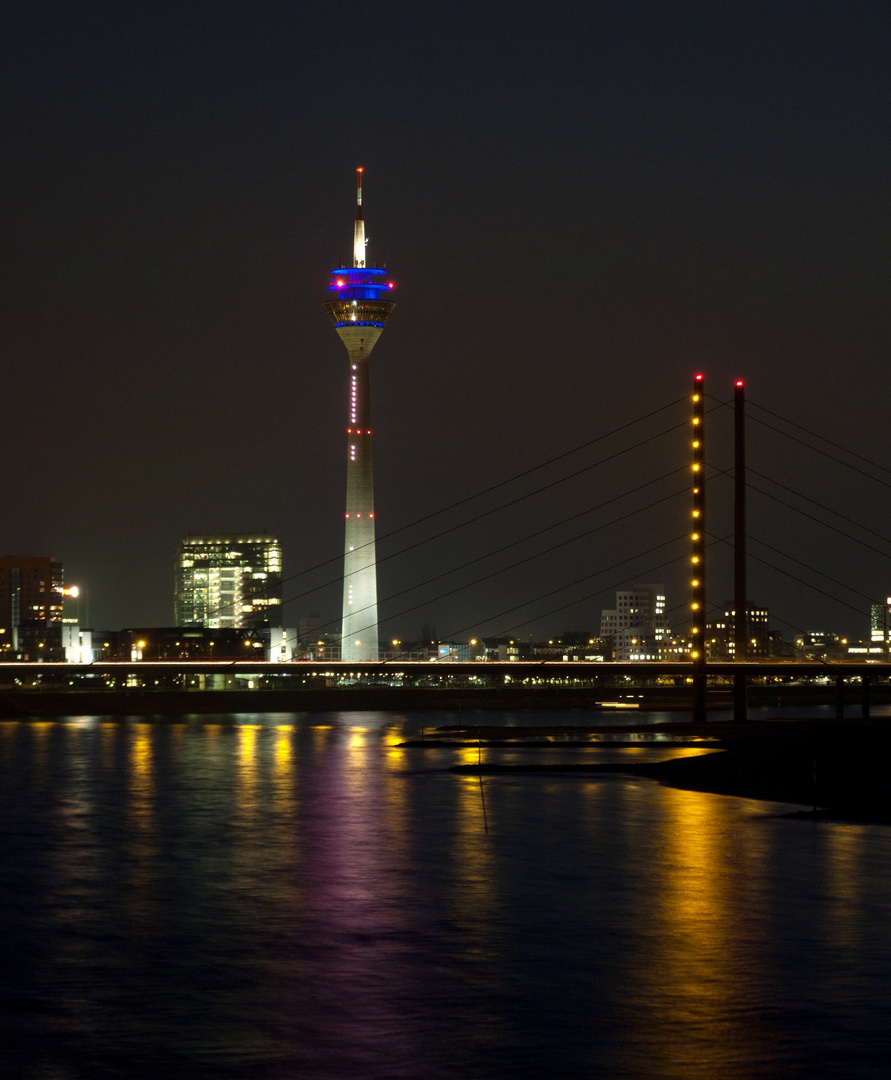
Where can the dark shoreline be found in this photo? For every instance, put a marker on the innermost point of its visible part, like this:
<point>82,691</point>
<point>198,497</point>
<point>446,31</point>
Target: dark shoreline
<point>16,701</point>
<point>836,768</point>
<point>174,702</point>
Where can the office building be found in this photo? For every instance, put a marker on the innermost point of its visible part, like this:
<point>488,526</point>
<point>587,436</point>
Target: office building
<point>359,309</point>
<point>880,627</point>
<point>32,595</point>
<point>638,625</point>
<point>720,635</point>
<point>228,581</point>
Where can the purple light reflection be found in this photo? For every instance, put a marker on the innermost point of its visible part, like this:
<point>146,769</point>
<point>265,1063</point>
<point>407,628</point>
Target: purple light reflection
<point>362,966</point>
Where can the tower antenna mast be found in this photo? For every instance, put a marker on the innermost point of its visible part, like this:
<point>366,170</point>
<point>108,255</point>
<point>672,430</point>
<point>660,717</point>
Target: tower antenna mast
<point>359,230</point>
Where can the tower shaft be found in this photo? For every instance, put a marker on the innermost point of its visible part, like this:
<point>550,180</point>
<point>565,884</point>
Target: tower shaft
<point>359,314</point>
<point>359,634</point>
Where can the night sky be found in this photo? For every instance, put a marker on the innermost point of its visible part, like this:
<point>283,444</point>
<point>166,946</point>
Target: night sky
<point>582,205</point>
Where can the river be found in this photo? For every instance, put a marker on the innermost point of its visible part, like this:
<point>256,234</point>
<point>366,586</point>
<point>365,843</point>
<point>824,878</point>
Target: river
<point>291,896</point>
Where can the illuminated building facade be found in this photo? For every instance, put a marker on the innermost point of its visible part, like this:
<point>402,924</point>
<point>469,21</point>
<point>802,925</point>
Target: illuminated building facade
<point>31,601</point>
<point>638,625</point>
<point>880,626</point>
<point>359,306</point>
<point>721,634</point>
<point>231,580</point>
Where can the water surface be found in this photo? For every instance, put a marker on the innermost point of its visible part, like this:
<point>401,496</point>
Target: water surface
<point>298,896</point>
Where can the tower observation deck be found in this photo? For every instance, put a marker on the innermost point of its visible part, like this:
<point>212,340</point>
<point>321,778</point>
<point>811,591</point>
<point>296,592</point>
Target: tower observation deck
<point>359,307</point>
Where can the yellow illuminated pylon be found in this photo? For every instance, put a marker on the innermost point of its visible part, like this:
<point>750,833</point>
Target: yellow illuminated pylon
<point>697,558</point>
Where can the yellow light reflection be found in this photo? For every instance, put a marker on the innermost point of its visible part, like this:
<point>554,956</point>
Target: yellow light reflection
<point>697,970</point>
<point>142,832</point>
<point>474,896</point>
<point>283,752</point>
<point>320,735</point>
<point>284,796</point>
<point>398,811</point>
<point>247,854</point>
<point>395,755</point>
<point>469,755</point>
<point>246,773</point>
<point>41,728</point>
<point>844,871</point>
<point>107,733</point>
<point>141,768</point>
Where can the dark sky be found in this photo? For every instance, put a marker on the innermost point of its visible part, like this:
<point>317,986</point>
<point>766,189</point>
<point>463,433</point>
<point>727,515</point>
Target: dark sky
<point>581,204</point>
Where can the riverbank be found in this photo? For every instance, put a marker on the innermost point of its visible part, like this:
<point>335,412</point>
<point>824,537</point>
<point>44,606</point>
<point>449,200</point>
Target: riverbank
<point>176,702</point>
<point>18,701</point>
<point>836,769</point>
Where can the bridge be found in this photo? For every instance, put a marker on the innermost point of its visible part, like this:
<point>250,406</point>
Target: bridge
<point>165,686</point>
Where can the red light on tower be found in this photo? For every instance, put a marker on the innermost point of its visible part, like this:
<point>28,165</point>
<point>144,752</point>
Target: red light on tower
<point>738,382</point>
<point>698,378</point>
<point>359,310</point>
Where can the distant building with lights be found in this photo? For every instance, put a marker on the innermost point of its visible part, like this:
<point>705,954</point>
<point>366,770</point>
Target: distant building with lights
<point>720,635</point>
<point>268,643</point>
<point>229,581</point>
<point>675,650</point>
<point>637,626</point>
<point>880,627</point>
<point>812,645</point>
<point>32,596</point>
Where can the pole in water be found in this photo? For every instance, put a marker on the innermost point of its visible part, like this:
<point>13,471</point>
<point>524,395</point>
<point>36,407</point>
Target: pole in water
<point>479,765</point>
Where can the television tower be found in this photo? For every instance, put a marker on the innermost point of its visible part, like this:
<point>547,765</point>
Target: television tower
<point>359,309</point>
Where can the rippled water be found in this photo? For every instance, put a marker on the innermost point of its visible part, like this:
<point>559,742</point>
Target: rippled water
<point>289,896</point>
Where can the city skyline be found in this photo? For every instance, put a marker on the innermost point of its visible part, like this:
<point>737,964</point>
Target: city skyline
<point>233,583</point>
<point>697,190</point>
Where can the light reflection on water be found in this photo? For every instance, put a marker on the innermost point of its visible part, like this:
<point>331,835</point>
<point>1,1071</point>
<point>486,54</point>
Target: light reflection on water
<point>290,896</point>
<point>695,944</point>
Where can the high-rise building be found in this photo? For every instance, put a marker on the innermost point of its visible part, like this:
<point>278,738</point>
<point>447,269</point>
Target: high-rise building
<point>231,580</point>
<point>880,626</point>
<point>31,600</point>
<point>638,625</point>
<point>30,590</point>
<point>359,309</point>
